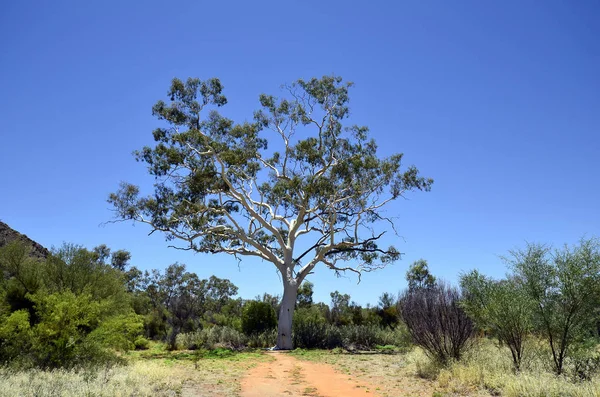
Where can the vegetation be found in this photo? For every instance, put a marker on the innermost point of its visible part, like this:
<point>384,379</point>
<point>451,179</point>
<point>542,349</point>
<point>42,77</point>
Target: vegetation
<point>258,317</point>
<point>70,309</point>
<point>419,277</point>
<point>565,287</point>
<point>86,321</point>
<point>502,308</point>
<point>437,322</point>
<point>221,189</point>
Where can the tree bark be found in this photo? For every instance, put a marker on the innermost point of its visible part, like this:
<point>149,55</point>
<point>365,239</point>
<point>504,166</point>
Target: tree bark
<point>286,314</point>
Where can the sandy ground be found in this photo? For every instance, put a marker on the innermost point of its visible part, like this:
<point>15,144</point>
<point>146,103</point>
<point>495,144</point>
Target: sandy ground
<point>287,376</point>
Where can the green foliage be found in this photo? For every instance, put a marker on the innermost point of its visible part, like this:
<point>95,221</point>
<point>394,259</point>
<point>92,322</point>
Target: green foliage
<point>309,327</point>
<point>503,307</point>
<point>119,332</point>
<point>311,330</point>
<point>16,335</point>
<point>213,337</point>
<point>176,301</point>
<point>418,276</point>
<point>305,295</point>
<point>65,321</point>
<point>329,186</point>
<point>22,275</point>
<point>387,310</point>
<point>258,317</point>
<point>263,340</point>
<point>565,287</point>
<point>584,360</point>
<point>55,311</point>
<point>73,268</point>
<point>141,343</point>
<point>341,313</point>
<point>361,337</point>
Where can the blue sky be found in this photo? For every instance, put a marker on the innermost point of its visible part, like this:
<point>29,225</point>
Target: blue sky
<point>499,102</point>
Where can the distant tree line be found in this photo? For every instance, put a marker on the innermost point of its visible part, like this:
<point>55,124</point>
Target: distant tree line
<point>80,307</point>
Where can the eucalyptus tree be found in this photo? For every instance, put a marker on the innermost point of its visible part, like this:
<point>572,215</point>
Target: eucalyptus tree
<point>297,186</point>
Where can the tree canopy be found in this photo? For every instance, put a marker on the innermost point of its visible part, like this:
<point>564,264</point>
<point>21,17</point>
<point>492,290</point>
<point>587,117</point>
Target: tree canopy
<point>418,276</point>
<point>298,171</point>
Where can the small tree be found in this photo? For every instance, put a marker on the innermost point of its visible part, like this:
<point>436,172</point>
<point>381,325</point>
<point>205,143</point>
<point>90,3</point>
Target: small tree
<point>181,296</point>
<point>387,310</point>
<point>340,309</point>
<point>565,287</point>
<point>305,295</point>
<point>437,322</point>
<point>502,306</point>
<point>314,196</point>
<point>418,276</point>
<point>258,317</point>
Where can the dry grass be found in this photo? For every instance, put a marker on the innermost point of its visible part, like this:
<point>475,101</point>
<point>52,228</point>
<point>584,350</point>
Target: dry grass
<point>393,374</point>
<point>157,375</point>
<point>488,367</point>
<point>485,371</point>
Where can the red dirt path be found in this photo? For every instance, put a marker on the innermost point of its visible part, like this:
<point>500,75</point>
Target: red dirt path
<point>287,376</point>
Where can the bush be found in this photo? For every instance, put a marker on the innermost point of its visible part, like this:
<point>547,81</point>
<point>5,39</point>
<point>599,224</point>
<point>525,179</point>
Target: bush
<point>212,338</point>
<point>398,337</point>
<point>263,340</point>
<point>141,343</point>
<point>309,328</point>
<point>362,337</point>
<point>258,317</point>
<point>312,334</point>
<point>15,335</point>
<point>192,340</point>
<point>584,360</point>
<point>565,287</point>
<point>226,337</point>
<point>437,322</point>
<point>119,332</point>
<point>333,337</point>
<point>64,320</point>
<point>502,307</point>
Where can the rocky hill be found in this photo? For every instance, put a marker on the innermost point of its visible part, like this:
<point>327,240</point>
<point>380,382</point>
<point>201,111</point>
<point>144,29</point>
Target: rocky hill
<point>7,234</point>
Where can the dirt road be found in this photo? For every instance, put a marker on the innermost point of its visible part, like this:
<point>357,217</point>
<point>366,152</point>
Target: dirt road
<point>288,376</point>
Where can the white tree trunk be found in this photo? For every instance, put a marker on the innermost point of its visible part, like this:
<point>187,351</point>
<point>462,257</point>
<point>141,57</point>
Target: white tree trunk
<point>286,314</point>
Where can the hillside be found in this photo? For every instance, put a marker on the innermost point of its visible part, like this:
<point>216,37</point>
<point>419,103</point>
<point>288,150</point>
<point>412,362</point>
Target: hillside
<point>7,234</point>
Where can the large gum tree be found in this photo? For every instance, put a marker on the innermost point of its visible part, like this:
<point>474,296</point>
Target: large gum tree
<point>295,187</point>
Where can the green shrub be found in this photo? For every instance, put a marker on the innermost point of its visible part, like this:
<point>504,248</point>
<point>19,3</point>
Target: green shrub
<point>584,360</point>
<point>398,337</point>
<point>362,337</point>
<point>141,343</point>
<point>309,335</point>
<point>211,338</point>
<point>192,340</point>
<point>333,337</point>
<point>263,340</point>
<point>309,328</point>
<point>313,333</point>
<point>15,335</point>
<point>225,337</point>
<point>258,317</point>
<point>64,320</point>
<point>119,332</point>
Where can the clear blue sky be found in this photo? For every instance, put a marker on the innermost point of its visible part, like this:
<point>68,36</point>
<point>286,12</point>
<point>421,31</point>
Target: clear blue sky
<point>498,101</point>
